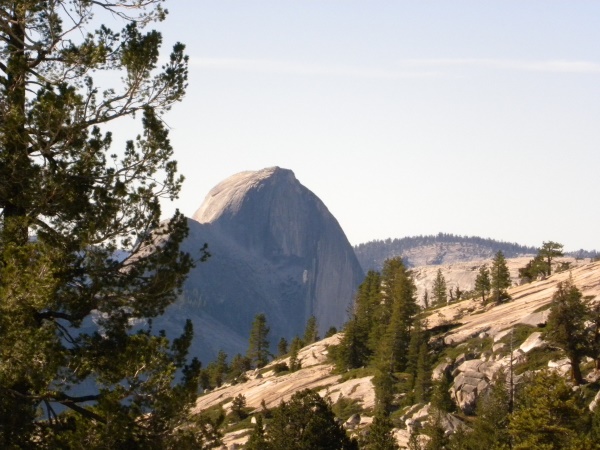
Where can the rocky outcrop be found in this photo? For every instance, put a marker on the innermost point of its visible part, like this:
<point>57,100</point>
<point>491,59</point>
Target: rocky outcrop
<point>277,250</point>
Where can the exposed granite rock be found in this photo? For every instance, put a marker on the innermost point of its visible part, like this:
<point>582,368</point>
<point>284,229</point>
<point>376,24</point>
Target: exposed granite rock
<point>473,377</point>
<point>533,341</point>
<point>276,250</point>
<point>536,319</point>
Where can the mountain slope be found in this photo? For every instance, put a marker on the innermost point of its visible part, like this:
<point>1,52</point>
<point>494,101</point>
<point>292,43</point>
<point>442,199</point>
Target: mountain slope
<point>468,324</point>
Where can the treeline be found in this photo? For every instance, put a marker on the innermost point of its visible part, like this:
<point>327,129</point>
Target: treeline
<point>372,254</point>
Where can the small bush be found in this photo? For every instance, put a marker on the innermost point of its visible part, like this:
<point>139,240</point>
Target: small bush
<point>280,368</point>
<point>345,407</point>
<point>357,373</point>
<point>538,359</point>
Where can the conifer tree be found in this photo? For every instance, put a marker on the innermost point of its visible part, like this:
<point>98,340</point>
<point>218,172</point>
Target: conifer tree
<point>399,300</point>
<point>422,385</point>
<point>490,428</point>
<point>417,337</point>
<point>434,429</point>
<point>483,283</point>
<point>380,435</point>
<point>331,331</point>
<point>440,396</point>
<point>439,289</point>
<point>258,343</point>
<point>295,347</point>
<point>500,277</point>
<point>533,269</point>
<point>282,347</point>
<point>83,255</point>
<point>548,252</point>
<point>238,407</point>
<point>425,299</point>
<point>549,415</point>
<point>306,422</point>
<point>567,325</point>
<point>257,440</point>
<point>311,331</point>
<point>218,369</point>
<point>239,365</point>
<point>356,348</point>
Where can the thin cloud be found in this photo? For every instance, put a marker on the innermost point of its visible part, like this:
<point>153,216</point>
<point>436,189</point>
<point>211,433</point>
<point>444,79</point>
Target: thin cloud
<point>401,69</point>
<point>293,68</point>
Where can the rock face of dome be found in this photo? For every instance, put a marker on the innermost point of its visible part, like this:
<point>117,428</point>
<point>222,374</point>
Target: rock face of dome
<point>276,250</point>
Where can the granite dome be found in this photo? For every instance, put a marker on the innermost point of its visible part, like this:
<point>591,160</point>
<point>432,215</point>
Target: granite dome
<point>276,249</point>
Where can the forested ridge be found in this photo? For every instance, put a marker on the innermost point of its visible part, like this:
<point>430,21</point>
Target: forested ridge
<point>452,248</point>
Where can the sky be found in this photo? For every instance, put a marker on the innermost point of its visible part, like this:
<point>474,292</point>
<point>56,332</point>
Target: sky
<point>478,118</point>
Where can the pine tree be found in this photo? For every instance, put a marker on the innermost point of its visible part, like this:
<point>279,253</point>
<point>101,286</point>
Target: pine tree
<point>257,440</point>
<point>441,399</point>
<point>71,202</point>
<point>425,299</point>
<point>239,365</point>
<point>306,422</point>
<point>483,283</point>
<point>567,327</point>
<point>282,347</point>
<point>331,331</point>
<point>500,277</point>
<point>549,251</point>
<point>311,331</point>
<point>218,369</point>
<point>258,344</point>
<point>533,269</point>
<point>422,385</point>
<point>439,290</point>
<point>417,337</point>
<point>490,428</point>
<point>356,348</point>
<point>380,435</point>
<point>238,407</point>
<point>434,429</point>
<point>549,415</point>
<point>295,347</point>
<point>399,299</point>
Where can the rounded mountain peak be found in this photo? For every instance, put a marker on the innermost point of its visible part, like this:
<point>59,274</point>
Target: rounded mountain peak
<point>227,197</point>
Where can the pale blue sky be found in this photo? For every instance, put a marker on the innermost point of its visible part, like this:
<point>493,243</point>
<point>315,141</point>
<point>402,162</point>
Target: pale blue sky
<point>404,117</point>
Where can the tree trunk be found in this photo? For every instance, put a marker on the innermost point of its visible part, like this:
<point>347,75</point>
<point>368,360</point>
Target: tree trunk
<point>576,371</point>
<point>17,163</point>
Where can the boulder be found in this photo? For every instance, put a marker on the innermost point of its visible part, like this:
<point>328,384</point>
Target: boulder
<point>533,341</point>
<point>535,319</point>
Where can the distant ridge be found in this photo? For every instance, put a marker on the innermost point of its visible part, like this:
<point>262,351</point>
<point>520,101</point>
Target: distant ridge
<point>443,248</point>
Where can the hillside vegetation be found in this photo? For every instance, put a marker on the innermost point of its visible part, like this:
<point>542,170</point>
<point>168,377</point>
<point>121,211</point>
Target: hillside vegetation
<point>472,348</point>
